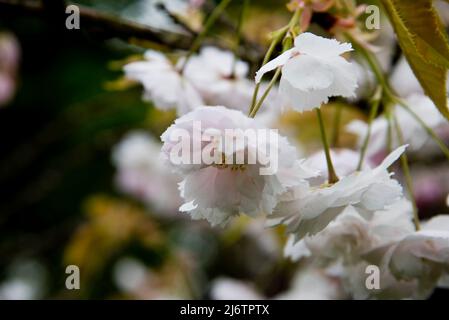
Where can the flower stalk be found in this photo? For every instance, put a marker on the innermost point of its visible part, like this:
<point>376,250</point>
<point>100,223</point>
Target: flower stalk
<point>333,178</point>
<point>374,107</point>
<point>407,174</point>
<point>278,36</point>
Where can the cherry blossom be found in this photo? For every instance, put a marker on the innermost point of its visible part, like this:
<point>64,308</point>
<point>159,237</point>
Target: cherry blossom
<point>308,209</point>
<point>312,72</point>
<point>217,192</point>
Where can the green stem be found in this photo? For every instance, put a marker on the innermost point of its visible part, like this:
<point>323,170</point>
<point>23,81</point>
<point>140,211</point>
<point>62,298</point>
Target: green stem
<point>278,36</point>
<point>373,112</point>
<point>265,94</point>
<point>407,175</point>
<point>208,24</point>
<point>333,178</point>
<point>267,57</point>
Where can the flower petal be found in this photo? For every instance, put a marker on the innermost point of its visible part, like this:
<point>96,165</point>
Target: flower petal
<point>273,64</point>
<point>307,73</point>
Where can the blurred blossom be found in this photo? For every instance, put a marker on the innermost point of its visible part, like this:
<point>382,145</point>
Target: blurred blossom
<point>384,46</point>
<point>9,52</point>
<point>149,12</point>
<point>421,256</point>
<point>223,81</point>
<point>350,235</point>
<point>313,284</point>
<point>9,64</point>
<point>163,83</point>
<point>312,72</point>
<point>231,289</point>
<point>354,277</point>
<point>404,81</point>
<point>142,173</point>
<point>365,80</point>
<point>7,88</point>
<point>263,237</point>
<point>443,10</point>
<point>431,185</point>
<point>413,132</point>
<point>129,274</point>
<point>26,281</point>
<point>307,284</point>
<point>133,278</point>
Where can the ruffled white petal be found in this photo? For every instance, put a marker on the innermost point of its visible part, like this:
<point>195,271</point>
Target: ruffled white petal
<point>317,46</point>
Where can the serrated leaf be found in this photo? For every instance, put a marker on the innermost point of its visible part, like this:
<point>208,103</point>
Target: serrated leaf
<point>426,28</point>
<point>424,44</point>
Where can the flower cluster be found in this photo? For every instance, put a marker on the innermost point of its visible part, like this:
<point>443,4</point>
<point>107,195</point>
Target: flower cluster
<point>343,210</point>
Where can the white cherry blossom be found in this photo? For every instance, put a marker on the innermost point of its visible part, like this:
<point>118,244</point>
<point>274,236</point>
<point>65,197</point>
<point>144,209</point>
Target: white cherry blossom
<point>312,72</point>
<point>217,192</point>
<point>308,209</point>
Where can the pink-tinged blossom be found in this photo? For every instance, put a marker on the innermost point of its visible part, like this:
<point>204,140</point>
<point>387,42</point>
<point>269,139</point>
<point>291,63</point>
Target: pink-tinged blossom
<point>221,190</point>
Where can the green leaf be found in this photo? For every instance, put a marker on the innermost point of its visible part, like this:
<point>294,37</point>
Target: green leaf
<point>423,41</point>
<point>427,30</point>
